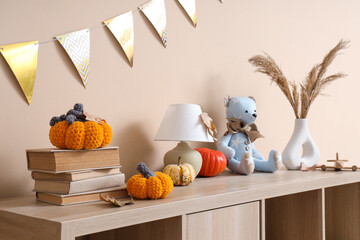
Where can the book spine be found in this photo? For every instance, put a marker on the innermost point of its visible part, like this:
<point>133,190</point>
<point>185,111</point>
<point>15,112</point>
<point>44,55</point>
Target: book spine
<point>97,183</point>
<point>71,160</point>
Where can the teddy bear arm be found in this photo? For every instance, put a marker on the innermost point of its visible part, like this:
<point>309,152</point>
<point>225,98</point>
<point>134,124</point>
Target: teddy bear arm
<point>223,147</point>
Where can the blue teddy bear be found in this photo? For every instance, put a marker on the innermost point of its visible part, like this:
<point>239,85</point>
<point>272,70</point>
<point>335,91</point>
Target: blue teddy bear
<point>237,143</point>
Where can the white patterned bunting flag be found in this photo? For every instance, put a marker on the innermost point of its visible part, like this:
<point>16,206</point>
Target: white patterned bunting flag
<point>77,46</point>
<point>190,9</point>
<point>22,59</point>
<point>155,12</point>
<point>122,27</point>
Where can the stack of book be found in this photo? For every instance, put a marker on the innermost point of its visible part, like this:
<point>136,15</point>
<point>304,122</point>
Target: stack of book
<point>65,177</point>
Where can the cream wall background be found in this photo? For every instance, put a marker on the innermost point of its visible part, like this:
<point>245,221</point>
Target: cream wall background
<point>200,65</point>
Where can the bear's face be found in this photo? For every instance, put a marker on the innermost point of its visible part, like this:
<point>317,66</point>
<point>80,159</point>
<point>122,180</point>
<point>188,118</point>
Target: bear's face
<point>242,108</point>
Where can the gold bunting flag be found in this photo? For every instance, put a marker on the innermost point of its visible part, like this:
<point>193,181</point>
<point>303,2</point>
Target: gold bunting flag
<point>22,59</point>
<point>190,9</point>
<point>155,12</point>
<point>77,46</point>
<point>122,27</point>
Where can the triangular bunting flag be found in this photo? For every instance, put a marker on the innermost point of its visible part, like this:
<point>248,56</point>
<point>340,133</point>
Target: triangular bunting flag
<point>122,27</point>
<point>189,7</point>
<point>77,46</point>
<point>22,59</point>
<point>154,10</point>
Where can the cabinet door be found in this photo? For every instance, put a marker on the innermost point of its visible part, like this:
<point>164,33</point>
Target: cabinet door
<point>240,222</point>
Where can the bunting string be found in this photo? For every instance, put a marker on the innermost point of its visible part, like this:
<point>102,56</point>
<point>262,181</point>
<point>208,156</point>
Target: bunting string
<point>90,29</point>
<point>22,57</point>
<point>103,25</point>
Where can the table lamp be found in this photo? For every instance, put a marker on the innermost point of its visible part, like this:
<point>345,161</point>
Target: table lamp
<point>182,122</point>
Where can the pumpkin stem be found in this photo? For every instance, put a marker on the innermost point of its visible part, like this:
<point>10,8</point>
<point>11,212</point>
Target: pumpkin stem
<point>144,170</point>
<point>179,161</point>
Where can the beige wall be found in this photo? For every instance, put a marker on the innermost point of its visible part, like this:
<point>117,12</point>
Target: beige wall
<point>201,65</point>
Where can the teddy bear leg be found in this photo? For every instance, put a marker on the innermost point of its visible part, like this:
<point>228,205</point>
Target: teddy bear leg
<point>245,166</point>
<point>273,164</point>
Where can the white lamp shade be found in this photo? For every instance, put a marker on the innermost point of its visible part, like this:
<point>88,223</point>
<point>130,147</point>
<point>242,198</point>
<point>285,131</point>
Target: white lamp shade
<point>182,122</point>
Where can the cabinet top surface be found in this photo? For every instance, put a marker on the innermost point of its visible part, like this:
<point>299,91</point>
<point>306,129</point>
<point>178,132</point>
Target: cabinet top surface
<point>203,194</point>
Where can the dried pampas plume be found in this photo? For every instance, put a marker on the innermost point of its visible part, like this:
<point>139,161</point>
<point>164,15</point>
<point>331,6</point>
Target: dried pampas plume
<point>301,97</point>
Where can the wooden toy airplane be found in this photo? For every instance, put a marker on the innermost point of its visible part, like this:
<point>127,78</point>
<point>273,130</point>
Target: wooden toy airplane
<point>338,165</point>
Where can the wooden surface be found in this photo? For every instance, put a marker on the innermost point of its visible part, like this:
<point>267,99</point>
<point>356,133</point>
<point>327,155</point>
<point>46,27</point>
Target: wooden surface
<point>262,219</point>
<point>13,227</point>
<point>342,212</point>
<point>169,228</point>
<point>239,222</point>
<point>204,194</point>
<point>323,213</point>
<point>296,217</point>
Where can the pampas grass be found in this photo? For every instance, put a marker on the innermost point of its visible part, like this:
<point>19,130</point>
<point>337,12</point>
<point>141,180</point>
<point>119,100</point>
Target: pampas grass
<point>300,97</point>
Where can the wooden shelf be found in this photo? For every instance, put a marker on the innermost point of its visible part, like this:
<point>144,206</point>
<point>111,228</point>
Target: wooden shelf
<point>342,212</point>
<point>296,216</point>
<point>285,197</point>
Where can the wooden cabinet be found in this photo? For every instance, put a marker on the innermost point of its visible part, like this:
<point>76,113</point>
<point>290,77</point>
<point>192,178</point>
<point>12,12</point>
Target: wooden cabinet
<point>169,228</point>
<point>280,206</point>
<point>239,222</point>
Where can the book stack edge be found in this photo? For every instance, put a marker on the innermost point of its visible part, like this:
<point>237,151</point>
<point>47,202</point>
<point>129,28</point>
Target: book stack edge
<point>66,177</point>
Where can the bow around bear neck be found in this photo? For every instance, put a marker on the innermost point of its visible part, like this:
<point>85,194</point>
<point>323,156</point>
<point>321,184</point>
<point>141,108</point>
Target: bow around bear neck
<point>236,125</point>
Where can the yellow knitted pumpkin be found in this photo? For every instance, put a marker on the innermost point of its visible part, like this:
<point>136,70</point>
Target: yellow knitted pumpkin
<point>181,174</point>
<point>80,135</point>
<point>148,184</point>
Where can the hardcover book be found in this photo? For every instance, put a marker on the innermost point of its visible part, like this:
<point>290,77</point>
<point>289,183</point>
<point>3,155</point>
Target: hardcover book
<point>66,187</point>
<point>74,176</point>
<point>63,160</point>
<point>91,196</point>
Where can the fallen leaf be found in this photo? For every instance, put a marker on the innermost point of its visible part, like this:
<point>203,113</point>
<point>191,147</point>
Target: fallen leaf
<point>117,202</point>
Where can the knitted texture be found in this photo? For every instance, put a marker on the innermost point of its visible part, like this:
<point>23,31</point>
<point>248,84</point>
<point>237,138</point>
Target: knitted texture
<point>57,134</point>
<point>166,183</point>
<point>75,136</point>
<point>94,135</point>
<point>73,131</point>
<point>55,120</point>
<point>70,119</point>
<point>153,187</point>
<point>107,134</point>
<point>79,107</point>
<point>130,184</point>
<point>80,135</point>
<point>137,186</point>
<point>144,170</point>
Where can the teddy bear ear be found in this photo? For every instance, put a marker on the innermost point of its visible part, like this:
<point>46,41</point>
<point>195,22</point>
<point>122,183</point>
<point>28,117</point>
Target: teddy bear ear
<point>252,98</point>
<point>227,100</point>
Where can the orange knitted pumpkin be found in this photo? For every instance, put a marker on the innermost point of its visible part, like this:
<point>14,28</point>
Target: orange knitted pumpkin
<point>80,135</point>
<point>79,130</point>
<point>148,184</point>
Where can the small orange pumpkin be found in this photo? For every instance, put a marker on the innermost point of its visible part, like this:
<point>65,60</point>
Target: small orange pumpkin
<point>213,162</point>
<point>79,130</point>
<point>80,135</point>
<point>149,184</point>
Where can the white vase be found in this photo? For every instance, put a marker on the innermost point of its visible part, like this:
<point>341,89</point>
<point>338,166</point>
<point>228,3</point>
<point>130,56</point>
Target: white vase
<point>301,148</point>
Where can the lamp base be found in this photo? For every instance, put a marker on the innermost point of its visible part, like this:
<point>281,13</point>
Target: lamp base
<point>188,155</point>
